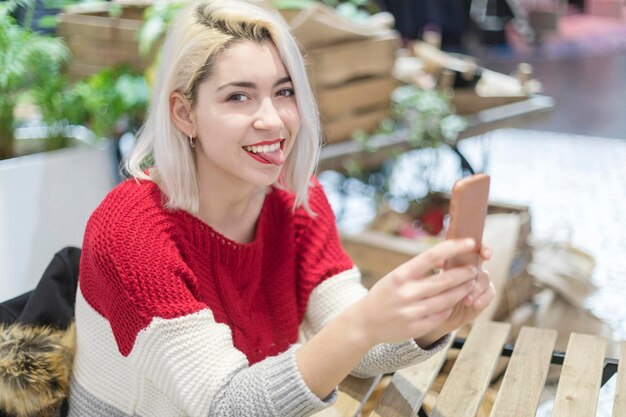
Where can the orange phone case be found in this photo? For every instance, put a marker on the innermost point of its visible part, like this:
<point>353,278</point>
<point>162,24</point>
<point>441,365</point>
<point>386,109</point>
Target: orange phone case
<point>467,213</point>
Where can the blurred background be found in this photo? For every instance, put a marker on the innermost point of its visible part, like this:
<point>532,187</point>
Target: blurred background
<point>413,95</point>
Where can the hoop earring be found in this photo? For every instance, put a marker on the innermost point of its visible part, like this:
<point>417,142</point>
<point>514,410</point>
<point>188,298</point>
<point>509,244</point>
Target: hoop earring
<point>192,142</point>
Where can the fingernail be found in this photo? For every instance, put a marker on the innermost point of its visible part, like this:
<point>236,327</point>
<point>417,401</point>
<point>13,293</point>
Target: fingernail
<point>469,243</point>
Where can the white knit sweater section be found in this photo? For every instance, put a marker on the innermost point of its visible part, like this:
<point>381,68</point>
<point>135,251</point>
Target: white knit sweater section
<point>188,366</point>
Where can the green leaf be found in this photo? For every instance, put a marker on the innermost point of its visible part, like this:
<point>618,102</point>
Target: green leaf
<point>52,4</point>
<point>27,4</point>
<point>133,90</point>
<point>293,4</point>
<point>150,31</point>
<point>49,22</point>
<point>331,3</point>
<point>115,9</point>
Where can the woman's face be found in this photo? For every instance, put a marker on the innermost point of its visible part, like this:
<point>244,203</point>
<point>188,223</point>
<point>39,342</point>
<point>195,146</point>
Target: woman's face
<point>246,117</point>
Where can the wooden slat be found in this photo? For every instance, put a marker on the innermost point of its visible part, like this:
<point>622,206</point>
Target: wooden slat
<point>99,28</point>
<point>342,129</point>
<point>404,395</point>
<point>104,54</point>
<point>353,392</point>
<point>463,391</point>
<point>619,406</point>
<point>345,61</point>
<point>526,374</point>
<point>579,384</point>
<point>372,93</point>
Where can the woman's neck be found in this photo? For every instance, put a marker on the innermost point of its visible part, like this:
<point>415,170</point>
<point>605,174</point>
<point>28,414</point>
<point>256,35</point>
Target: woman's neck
<point>234,212</point>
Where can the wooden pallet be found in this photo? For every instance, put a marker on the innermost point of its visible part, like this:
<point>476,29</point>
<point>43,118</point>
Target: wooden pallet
<point>464,391</point>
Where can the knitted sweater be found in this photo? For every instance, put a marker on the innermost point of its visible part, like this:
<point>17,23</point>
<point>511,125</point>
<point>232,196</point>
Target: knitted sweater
<point>175,319</point>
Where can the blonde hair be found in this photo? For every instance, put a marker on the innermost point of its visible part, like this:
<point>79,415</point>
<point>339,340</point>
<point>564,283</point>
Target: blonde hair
<point>194,41</point>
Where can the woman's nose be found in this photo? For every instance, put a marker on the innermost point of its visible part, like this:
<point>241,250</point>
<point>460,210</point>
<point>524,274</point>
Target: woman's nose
<point>268,117</point>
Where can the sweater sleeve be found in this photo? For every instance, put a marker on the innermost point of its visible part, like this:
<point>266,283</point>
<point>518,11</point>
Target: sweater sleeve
<point>138,292</point>
<point>335,295</point>
<point>340,287</point>
<point>192,361</point>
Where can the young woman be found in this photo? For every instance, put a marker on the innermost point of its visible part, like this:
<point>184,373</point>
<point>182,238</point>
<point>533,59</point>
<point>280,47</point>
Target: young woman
<point>213,283</point>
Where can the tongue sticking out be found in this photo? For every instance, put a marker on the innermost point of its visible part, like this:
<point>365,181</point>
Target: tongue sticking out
<point>276,157</point>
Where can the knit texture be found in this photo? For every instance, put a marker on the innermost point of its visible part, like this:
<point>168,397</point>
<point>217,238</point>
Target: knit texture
<point>141,261</point>
<point>332,297</point>
<point>174,319</point>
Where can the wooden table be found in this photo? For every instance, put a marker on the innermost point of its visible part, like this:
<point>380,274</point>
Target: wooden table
<point>465,386</point>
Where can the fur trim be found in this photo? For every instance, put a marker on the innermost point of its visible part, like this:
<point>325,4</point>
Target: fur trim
<point>35,368</point>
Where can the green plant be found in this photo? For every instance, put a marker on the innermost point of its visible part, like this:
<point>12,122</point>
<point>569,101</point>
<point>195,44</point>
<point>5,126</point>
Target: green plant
<point>425,118</point>
<point>42,15</point>
<point>156,19</point>
<point>114,100</point>
<point>28,63</point>
<point>422,118</point>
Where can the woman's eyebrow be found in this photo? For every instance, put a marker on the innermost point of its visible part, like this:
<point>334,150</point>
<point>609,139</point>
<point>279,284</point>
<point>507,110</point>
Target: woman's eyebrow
<point>251,85</point>
<point>242,84</point>
<point>283,80</point>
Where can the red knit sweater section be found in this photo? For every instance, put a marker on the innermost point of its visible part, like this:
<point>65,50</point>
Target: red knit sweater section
<point>142,261</point>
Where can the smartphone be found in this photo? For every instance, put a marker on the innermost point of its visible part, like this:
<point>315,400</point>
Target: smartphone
<point>467,213</point>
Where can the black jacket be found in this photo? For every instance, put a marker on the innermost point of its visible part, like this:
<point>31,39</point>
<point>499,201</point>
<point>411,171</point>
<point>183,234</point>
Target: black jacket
<point>37,341</point>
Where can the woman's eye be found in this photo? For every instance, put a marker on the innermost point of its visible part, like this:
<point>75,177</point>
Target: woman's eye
<point>286,92</point>
<point>239,98</point>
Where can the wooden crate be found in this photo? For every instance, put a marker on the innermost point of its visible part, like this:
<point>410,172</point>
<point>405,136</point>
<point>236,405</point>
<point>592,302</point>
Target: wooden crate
<point>341,129</point>
<point>355,97</point>
<point>519,290</point>
<point>352,80</point>
<point>97,40</point>
<point>360,104</point>
<point>335,65</point>
<point>352,83</point>
<point>377,253</point>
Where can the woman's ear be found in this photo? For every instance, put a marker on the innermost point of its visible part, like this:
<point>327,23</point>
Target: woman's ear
<point>180,112</point>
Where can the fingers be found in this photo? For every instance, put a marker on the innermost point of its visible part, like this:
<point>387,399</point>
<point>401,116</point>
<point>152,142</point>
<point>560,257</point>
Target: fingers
<point>433,258</point>
<point>443,281</point>
<point>436,318</point>
<point>482,279</point>
<point>485,251</point>
<point>485,298</point>
<point>443,300</point>
<point>482,284</point>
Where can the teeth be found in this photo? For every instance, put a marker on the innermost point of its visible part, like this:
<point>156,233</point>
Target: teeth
<point>263,148</point>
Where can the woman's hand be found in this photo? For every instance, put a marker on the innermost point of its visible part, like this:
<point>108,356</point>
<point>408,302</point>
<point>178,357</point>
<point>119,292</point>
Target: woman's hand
<point>475,302</point>
<point>414,301</point>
